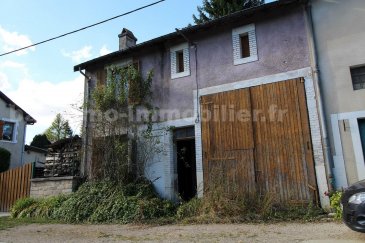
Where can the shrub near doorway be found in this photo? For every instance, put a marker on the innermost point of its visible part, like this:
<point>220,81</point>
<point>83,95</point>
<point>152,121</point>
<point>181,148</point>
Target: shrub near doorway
<point>98,202</point>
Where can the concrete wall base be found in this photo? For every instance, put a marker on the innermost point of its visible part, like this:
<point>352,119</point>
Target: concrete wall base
<point>52,186</point>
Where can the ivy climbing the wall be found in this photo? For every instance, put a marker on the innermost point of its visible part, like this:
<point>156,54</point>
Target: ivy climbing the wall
<point>118,140</point>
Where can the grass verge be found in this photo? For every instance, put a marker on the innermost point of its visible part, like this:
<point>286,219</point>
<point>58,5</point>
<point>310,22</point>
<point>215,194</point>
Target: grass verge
<point>8,222</point>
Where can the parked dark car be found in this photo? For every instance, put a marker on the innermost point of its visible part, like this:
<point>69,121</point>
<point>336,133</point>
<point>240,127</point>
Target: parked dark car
<point>353,202</point>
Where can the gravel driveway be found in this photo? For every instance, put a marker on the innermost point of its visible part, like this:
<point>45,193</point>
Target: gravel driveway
<point>280,232</point>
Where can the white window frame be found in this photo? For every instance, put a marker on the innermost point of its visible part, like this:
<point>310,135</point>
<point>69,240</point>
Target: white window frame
<point>173,50</point>
<point>250,30</point>
<point>15,132</point>
<point>339,169</point>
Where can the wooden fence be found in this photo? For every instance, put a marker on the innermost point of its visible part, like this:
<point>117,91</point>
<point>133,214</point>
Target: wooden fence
<point>14,184</point>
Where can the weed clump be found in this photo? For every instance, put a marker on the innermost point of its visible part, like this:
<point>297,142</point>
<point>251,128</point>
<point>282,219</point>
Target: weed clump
<point>98,202</point>
<point>224,202</point>
<point>335,200</point>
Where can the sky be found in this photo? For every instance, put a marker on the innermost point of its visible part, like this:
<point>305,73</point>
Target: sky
<point>41,79</point>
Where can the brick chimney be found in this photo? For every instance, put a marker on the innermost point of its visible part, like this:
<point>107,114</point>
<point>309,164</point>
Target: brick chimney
<point>126,39</point>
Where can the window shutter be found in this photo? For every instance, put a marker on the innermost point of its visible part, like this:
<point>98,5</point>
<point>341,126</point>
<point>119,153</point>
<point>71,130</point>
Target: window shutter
<point>236,46</point>
<point>1,129</point>
<point>173,63</point>
<point>186,59</point>
<point>101,76</point>
<point>252,41</point>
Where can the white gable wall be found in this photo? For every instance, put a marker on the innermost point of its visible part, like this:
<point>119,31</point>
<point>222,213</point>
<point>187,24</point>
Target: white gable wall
<point>16,147</point>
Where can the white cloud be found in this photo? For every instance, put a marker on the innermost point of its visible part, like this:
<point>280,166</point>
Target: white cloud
<point>13,40</point>
<point>79,55</point>
<point>43,100</point>
<point>11,73</point>
<point>104,50</point>
<point>11,64</point>
<point>4,82</point>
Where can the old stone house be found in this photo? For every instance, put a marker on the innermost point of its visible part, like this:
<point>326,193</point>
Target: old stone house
<point>245,103</point>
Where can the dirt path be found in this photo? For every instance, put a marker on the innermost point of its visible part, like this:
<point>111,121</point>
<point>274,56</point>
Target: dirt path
<point>281,232</point>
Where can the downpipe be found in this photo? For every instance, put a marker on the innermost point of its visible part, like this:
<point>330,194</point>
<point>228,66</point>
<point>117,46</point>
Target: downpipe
<point>83,169</point>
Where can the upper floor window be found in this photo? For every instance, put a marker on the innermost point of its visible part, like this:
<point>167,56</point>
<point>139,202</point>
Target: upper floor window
<point>244,44</point>
<point>7,130</point>
<point>358,77</point>
<point>180,61</point>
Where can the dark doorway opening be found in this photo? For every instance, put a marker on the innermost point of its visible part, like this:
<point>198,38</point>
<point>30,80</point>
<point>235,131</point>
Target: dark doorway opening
<point>362,134</point>
<point>186,164</point>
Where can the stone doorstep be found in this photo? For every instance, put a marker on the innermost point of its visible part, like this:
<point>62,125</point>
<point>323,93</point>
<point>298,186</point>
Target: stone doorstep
<point>4,214</point>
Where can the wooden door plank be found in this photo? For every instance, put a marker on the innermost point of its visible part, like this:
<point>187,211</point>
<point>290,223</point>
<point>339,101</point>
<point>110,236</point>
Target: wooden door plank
<point>262,155</point>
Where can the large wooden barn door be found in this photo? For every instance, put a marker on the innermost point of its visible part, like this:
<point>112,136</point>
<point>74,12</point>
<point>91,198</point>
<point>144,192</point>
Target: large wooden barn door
<point>228,145</point>
<point>258,139</point>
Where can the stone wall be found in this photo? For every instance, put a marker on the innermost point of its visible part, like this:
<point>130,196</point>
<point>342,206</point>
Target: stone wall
<point>52,186</point>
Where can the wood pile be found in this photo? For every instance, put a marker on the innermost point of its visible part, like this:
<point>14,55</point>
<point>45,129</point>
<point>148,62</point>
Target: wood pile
<point>63,158</point>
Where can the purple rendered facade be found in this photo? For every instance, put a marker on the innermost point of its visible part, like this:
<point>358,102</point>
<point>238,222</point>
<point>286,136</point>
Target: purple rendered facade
<point>283,52</point>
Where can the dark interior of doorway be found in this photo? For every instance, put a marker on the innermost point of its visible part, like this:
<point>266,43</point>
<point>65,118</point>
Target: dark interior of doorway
<point>186,166</point>
<point>362,133</point>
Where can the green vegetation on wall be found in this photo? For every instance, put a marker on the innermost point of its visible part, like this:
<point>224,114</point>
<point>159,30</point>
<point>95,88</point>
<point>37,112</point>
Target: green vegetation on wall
<point>116,131</point>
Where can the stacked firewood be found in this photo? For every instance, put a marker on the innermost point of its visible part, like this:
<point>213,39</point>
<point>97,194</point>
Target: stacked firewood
<point>63,158</point>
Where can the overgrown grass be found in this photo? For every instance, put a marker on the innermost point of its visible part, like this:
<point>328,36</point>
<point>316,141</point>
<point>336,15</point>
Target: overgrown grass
<point>244,209</point>
<point>98,202</point>
<point>224,202</point>
<point>106,202</point>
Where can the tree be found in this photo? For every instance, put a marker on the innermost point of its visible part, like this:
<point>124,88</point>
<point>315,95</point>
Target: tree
<point>67,131</point>
<point>40,141</point>
<point>59,129</point>
<point>213,9</point>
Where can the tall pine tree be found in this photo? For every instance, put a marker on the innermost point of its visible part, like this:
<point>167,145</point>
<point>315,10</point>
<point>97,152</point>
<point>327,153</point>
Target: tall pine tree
<point>59,129</point>
<point>213,9</point>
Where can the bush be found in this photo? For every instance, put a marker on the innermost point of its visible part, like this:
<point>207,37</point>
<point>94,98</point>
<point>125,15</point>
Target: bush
<point>189,209</point>
<point>335,200</point>
<point>38,208</point>
<point>23,208</point>
<point>81,205</point>
<point>108,202</point>
<point>99,202</point>
<point>46,207</point>
<point>4,159</point>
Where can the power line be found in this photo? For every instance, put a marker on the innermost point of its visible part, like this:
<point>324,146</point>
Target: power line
<point>84,28</point>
